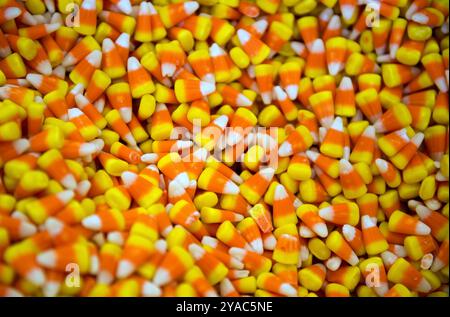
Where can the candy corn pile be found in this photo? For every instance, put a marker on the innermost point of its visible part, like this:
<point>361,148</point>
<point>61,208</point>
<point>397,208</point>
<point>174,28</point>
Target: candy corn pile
<point>224,148</point>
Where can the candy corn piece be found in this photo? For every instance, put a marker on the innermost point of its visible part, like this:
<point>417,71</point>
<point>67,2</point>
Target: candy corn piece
<point>142,190</point>
<point>60,257</point>
<point>176,12</point>
<point>88,17</point>
<point>283,209</point>
<point>271,282</point>
<point>212,180</point>
<point>299,140</point>
<point>229,235</point>
<point>136,251</point>
<point>82,73</point>
<point>253,188</point>
<point>190,90</point>
<point>255,48</point>
<point>374,242</point>
<point>341,213</point>
<point>213,269</point>
<point>175,263</point>
<point>140,81</point>
<point>403,223</point>
<point>333,141</point>
<point>336,51</point>
<point>336,243</point>
<point>309,215</point>
<point>290,73</point>
<point>403,272</point>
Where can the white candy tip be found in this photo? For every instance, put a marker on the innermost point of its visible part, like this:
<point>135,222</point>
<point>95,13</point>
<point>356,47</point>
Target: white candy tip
<point>107,45</point>
<point>288,290</point>
<point>149,158</point>
<point>150,290</point>
<point>88,4</point>
<point>126,114</point>
<point>74,113</point>
<point>125,6</point>
<point>243,36</point>
<point>175,189</point>
<point>21,145</point>
<point>190,7</point>
<point>53,225</point>
<point>279,93</point>
<point>317,46</point>
<point>115,237</point>
<point>345,166</point>
<point>347,11</point>
<point>123,40</point>
<point>183,179</point>
<point>382,165</point>
<point>424,286</point>
<point>47,258</point>
<point>337,124</point>
<point>128,178</point>
<point>231,188</point>
<point>161,277</point>
<point>366,222</point>
<point>221,121</point>
<point>422,229</point>
<point>260,26</point>
<point>94,58</point>
<point>422,211</point>
<point>267,173</point>
<point>419,18</point>
<point>92,222</point>
<point>167,70</point>
<point>280,192</point>
<point>207,88</point>
<point>312,155</point>
<point>196,251</point>
<point>36,276</point>
<point>124,269</point>
<point>65,196</point>
<point>257,244</point>
<point>215,50</point>
<point>11,13</point>
<point>285,149</point>
<point>321,230</point>
<point>292,91</point>
<point>334,68</point>
<point>87,149</point>
<point>52,27</point>
<point>27,229</point>
<point>133,64</point>
<point>243,101</point>
<point>326,213</point>
<point>209,78</point>
<point>34,79</point>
